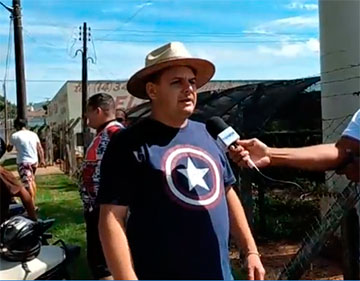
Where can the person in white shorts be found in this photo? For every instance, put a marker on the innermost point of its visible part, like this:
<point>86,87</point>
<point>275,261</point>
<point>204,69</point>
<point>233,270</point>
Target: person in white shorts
<point>29,151</point>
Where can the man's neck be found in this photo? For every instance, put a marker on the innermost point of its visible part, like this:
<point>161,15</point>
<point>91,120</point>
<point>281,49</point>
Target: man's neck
<point>106,121</point>
<point>175,123</point>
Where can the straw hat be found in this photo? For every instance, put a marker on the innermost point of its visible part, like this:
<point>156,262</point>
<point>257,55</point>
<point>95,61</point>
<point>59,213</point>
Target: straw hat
<point>171,54</point>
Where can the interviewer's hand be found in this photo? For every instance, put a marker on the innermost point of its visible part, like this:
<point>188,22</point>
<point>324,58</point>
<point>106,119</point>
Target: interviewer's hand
<point>256,270</point>
<point>252,149</point>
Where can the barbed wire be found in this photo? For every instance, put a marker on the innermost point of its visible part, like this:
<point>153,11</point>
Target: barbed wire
<point>335,130</point>
<point>357,93</point>
<point>340,80</point>
<point>337,118</point>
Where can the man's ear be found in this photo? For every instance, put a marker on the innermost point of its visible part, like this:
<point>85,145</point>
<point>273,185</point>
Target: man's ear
<point>151,90</point>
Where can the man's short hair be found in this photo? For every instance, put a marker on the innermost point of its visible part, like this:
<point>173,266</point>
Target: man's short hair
<point>20,123</point>
<point>102,100</point>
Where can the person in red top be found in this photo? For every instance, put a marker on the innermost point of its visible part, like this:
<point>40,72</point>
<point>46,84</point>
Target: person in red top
<point>101,116</point>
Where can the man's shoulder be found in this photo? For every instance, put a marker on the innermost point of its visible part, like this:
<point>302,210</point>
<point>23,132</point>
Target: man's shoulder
<point>130,136</point>
<point>113,127</point>
<point>136,129</point>
<point>356,116</point>
<point>197,124</point>
<point>353,128</point>
<point>25,134</point>
<point>14,135</point>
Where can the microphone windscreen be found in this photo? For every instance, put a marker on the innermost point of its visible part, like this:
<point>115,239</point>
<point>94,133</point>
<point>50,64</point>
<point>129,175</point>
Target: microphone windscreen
<point>215,125</point>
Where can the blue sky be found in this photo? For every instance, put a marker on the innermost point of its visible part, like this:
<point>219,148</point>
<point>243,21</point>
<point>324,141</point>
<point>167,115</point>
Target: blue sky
<point>246,39</point>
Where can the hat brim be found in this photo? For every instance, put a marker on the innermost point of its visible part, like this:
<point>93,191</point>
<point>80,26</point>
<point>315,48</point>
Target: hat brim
<point>204,70</point>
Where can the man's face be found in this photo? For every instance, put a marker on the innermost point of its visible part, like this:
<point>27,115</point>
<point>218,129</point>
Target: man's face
<point>93,117</point>
<point>175,92</point>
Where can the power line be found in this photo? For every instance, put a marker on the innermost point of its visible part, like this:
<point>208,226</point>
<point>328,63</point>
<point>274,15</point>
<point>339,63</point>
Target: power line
<point>8,53</point>
<point>187,33</point>
<point>203,41</point>
<point>94,49</point>
<point>39,81</point>
<point>129,19</point>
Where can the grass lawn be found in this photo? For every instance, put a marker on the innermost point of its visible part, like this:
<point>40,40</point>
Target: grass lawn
<point>58,197</point>
<point>10,164</point>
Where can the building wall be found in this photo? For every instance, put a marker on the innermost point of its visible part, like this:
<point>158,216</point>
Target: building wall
<point>340,71</point>
<point>58,111</point>
<point>66,104</point>
<point>340,74</point>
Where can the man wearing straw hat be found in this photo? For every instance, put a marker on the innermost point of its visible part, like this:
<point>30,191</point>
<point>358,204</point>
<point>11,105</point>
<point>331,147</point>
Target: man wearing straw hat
<point>175,181</point>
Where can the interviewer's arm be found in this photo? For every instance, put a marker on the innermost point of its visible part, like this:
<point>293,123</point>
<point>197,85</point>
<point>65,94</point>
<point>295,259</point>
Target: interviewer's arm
<point>114,242</point>
<point>320,157</point>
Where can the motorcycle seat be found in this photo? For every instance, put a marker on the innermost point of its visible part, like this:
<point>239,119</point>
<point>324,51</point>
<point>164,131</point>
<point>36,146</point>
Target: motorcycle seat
<point>48,258</point>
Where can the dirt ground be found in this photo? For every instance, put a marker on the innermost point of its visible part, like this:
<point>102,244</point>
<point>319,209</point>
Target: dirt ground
<point>276,254</point>
<point>50,170</point>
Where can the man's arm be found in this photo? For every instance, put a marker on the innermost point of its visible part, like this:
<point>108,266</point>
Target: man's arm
<point>114,242</point>
<point>28,202</point>
<point>9,147</point>
<point>240,230</point>
<point>320,157</point>
<point>40,152</point>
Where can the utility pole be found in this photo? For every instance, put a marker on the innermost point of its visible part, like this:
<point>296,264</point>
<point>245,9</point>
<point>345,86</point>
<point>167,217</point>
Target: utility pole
<point>84,80</point>
<point>85,37</point>
<point>19,61</point>
<point>84,86</point>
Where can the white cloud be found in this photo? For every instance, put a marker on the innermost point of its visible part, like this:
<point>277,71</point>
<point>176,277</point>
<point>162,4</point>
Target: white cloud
<point>259,30</point>
<point>147,3</point>
<point>297,30</point>
<point>313,45</point>
<point>302,6</point>
<point>119,60</point>
<point>299,21</point>
<point>291,50</point>
<point>47,30</point>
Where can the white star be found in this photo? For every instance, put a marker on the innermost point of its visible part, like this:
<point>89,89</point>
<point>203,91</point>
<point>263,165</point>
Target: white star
<point>194,175</point>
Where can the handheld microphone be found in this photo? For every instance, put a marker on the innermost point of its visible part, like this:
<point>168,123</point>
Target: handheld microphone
<point>224,135</point>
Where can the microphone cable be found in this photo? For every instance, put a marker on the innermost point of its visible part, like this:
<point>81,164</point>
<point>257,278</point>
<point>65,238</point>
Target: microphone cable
<point>252,165</point>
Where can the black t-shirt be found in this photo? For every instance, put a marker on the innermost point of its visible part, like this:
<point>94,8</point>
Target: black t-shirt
<point>173,181</point>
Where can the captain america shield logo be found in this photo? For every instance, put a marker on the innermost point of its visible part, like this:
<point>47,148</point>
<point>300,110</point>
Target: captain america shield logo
<point>192,176</point>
